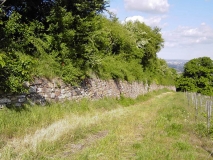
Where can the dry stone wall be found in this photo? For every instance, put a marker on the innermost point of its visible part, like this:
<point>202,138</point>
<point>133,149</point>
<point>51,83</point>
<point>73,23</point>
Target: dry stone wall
<point>43,90</point>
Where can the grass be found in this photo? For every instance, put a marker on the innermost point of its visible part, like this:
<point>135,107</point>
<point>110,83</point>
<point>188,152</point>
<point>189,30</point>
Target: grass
<point>158,125</point>
<point>16,122</point>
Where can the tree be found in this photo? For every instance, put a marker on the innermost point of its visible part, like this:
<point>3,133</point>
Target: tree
<point>73,40</point>
<point>149,41</point>
<point>28,9</point>
<point>197,76</point>
<point>59,34</point>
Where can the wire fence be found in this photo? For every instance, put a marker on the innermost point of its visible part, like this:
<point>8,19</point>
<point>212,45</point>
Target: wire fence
<point>202,108</point>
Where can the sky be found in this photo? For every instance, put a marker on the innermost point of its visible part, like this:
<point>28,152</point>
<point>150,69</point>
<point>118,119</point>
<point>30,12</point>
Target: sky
<point>186,25</point>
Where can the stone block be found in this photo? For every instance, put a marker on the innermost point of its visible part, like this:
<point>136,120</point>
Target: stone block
<point>52,96</point>
<point>26,84</point>
<point>40,90</point>
<point>61,97</point>
<point>22,100</point>
<point>57,93</point>
<point>32,89</point>
<point>2,106</point>
<point>46,96</point>
<point>51,85</point>
<point>63,91</point>
<point>13,98</point>
<point>5,101</point>
<point>21,96</point>
<point>78,91</point>
<point>68,94</point>
<point>18,104</point>
<point>47,90</point>
<point>38,81</point>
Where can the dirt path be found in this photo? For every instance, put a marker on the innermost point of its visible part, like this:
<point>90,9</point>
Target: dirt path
<point>56,130</point>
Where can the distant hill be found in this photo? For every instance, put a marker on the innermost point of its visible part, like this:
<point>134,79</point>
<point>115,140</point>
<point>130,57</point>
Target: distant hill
<point>177,64</point>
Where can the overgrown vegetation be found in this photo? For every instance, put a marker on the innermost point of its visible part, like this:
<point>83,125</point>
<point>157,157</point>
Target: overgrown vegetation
<point>18,121</point>
<point>197,76</point>
<point>159,125</point>
<point>73,40</point>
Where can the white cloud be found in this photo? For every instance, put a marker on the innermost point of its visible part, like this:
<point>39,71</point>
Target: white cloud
<point>188,36</point>
<point>113,10</point>
<point>151,6</point>
<point>152,21</point>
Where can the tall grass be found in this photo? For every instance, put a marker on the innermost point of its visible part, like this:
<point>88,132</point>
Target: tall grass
<point>155,126</point>
<point>18,121</point>
<point>157,129</point>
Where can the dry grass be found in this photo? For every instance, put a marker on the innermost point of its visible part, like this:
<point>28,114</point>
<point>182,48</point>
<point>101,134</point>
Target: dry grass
<point>54,131</point>
<point>159,128</point>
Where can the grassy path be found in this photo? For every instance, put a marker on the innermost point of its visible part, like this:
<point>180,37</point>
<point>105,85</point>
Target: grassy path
<point>159,128</point>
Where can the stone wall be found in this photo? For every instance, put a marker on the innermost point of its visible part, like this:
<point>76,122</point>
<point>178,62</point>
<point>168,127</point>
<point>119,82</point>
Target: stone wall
<point>43,90</point>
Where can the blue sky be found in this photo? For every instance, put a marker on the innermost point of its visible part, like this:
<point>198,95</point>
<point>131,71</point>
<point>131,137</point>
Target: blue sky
<point>186,25</point>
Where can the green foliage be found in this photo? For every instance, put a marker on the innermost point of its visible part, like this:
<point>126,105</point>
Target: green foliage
<point>18,53</point>
<point>186,84</point>
<point>72,40</point>
<point>200,129</point>
<point>197,76</point>
<point>15,71</point>
<point>121,40</point>
<point>174,129</point>
<point>119,69</point>
<point>148,40</point>
<point>2,62</point>
<point>182,146</point>
<point>162,74</point>
<point>124,101</point>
